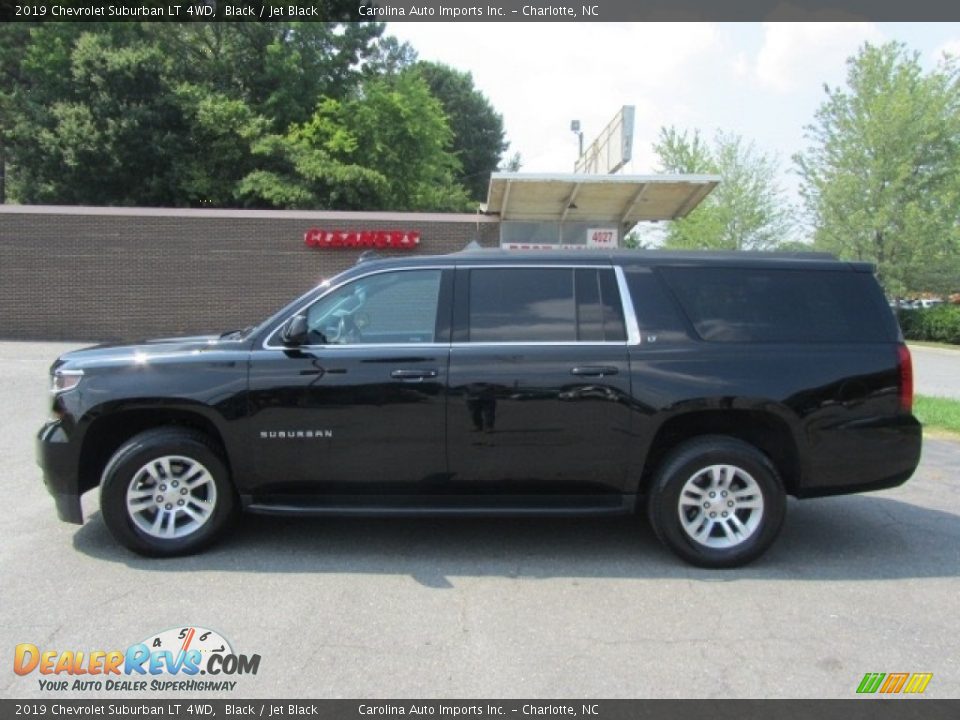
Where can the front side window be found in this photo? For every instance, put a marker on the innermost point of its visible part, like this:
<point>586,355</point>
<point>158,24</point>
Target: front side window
<point>388,308</point>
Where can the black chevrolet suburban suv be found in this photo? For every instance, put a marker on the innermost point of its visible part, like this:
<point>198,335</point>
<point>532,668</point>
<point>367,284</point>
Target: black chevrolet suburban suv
<point>700,389</point>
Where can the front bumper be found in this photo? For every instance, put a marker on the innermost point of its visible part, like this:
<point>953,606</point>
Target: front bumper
<point>57,456</point>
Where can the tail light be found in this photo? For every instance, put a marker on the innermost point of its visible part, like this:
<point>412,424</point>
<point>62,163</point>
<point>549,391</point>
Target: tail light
<point>906,378</point>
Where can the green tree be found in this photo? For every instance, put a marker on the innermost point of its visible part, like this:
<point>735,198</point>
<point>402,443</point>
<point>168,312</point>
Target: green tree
<point>34,73</point>
<point>101,127</point>
<point>14,38</point>
<point>391,57</point>
<point>881,175</point>
<point>385,148</point>
<point>511,164</point>
<point>478,135</point>
<point>160,113</point>
<point>278,69</point>
<point>326,115</point>
<point>746,211</point>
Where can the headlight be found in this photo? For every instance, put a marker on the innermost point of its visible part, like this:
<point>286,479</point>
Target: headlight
<point>63,380</point>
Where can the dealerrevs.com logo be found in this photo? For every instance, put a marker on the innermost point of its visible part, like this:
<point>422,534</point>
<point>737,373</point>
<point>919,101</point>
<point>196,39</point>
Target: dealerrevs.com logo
<point>171,661</point>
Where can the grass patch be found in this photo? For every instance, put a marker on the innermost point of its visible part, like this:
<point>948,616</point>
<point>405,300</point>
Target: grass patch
<point>938,412</point>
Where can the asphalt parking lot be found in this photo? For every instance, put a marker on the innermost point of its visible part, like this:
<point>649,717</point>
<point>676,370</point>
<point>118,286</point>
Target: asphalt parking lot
<point>496,607</point>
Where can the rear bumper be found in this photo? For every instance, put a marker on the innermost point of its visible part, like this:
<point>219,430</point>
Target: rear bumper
<point>863,456</point>
<point>57,457</point>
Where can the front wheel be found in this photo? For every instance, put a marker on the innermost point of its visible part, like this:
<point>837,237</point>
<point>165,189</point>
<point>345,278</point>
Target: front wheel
<point>717,502</point>
<point>166,492</point>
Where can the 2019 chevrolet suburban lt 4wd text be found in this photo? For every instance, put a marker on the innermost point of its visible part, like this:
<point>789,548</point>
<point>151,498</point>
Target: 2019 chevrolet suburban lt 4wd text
<point>699,389</point>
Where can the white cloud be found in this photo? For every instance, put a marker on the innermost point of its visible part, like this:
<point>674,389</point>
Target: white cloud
<point>951,47</point>
<point>741,65</point>
<point>763,81</point>
<point>542,76</point>
<point>792,52</point>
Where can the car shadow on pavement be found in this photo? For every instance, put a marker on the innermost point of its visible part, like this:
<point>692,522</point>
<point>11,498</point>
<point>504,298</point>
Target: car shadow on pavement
<point>856,537</point>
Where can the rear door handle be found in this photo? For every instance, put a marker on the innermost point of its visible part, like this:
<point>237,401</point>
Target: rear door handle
<point>594,370</point>
<point>413,375</point>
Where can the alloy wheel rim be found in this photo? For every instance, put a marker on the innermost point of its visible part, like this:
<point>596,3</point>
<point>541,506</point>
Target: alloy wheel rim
<point>720,506</point>
<point>171,497</point>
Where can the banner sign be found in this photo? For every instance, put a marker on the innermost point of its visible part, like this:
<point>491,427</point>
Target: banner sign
<point>392,239</point>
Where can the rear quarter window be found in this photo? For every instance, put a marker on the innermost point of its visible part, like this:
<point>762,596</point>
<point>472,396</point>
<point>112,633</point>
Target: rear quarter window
<point>657,313</point>
<point>775,305</point>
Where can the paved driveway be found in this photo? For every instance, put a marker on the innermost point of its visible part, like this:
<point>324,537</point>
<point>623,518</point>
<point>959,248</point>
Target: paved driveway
<point>504,607</point>
<point>936,371</point>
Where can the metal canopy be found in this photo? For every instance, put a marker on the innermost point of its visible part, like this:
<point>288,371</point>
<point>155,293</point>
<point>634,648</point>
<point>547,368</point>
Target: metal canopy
<point>615,199</point>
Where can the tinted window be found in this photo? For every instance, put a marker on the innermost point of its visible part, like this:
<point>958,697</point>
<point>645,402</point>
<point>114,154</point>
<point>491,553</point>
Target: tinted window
<point>599,311</point>
<point>657,313</point>
<point>589,307</point>
<point>766,305</point>
<point>522,305</point>
<point>393,307</point>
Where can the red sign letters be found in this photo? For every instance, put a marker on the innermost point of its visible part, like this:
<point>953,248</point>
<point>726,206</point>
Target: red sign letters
<point>394,239</point>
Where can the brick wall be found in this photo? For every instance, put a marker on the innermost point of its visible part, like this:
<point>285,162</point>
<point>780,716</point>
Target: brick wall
<point>111,273</point>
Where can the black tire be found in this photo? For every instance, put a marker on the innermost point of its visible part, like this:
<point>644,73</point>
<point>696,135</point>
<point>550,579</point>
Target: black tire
<point>125,471</point>
<point>742,463</point>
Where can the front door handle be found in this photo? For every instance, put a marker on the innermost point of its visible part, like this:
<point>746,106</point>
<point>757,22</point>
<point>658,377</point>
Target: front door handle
<point>413,375</point>
<point>594,370</point>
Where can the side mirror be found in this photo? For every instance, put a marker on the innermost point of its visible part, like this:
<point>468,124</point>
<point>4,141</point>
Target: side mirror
<point>294,331</point>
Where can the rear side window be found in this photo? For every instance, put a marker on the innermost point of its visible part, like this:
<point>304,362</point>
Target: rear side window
<point>772,305</point>
<point>544,305</point>
<point>599,311</point>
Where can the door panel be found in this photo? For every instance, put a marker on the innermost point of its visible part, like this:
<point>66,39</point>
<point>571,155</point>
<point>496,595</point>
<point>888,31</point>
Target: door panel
<point>539,382</point>
<point>362,409</point>
<point>520,421</point>
<point>362,420</point>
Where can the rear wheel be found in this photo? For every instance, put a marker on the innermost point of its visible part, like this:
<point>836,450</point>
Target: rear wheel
<point>167,492</point>
<point>717,502</point>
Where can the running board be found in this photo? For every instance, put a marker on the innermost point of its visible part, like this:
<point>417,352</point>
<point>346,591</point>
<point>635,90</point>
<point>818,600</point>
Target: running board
<point>419,506</point>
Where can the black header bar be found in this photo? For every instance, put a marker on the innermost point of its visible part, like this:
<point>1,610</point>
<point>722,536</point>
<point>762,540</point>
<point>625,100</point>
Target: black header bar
<point>476,11</point>
<point>482,709</point>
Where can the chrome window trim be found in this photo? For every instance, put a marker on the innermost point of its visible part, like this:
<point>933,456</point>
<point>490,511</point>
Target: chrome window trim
<point>630,319</point>
<point>629,316</point>
<point>455,345</point>
<point>605,265</point>
<point>599,265</point>
<point>362,346</point>
<point>553,343</point>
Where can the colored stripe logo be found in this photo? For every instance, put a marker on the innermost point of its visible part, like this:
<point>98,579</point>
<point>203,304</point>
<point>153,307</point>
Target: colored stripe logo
<point>894,683</point>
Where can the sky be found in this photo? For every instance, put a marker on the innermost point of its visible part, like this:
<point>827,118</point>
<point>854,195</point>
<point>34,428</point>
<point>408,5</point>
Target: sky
<point>761,80</point>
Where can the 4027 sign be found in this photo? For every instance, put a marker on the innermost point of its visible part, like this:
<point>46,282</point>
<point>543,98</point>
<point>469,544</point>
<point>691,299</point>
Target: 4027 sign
<point>601,238</point>
<point>392,239</point>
